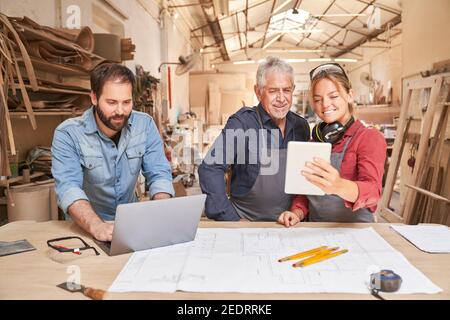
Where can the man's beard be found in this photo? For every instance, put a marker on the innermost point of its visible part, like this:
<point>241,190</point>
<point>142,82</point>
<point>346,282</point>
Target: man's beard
<point>107,121</point>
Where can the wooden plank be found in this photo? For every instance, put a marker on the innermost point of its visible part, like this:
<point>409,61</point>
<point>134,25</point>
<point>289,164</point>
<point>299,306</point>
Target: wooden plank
<point>423,209</point>
<point>63,70</point>
<point>23,90</point>
<point>59,42</point>
<point>434,208</point>
<point>56,90</point>
<point>391,216</point>
<point>437,174</point>
<point>436,144</point>
<point>49,182</point>
<point>23,51</point>
<point>3,90</point>
<point>23,115</point>
<point>423,144</point>
<point>428,193</point>
<point>4,183</point>
<point>12,144</point>
<point>6,73</point>
<point>420,207</point>
<point>422,83</point>
<point>397,152</point>
<point>444,210</point>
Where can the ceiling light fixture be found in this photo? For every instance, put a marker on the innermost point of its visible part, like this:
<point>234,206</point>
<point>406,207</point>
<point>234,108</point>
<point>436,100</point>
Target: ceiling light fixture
<point>295,60</point>
<point>319,60</point>
<point>292,50</point>
<point>339,15</point>
<point>345,60</point>
<point>272,31</point>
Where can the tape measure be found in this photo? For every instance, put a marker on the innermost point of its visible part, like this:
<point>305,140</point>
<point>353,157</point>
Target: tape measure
<point>384,281</point>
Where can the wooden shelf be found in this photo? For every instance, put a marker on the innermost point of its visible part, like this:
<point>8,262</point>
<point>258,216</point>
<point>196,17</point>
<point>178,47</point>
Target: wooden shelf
<point>56,90</point>
<point>4,183</point>
<point>60,69</point>
<point>24,115</point>
<point>54,40</point>
<point>378,114</point>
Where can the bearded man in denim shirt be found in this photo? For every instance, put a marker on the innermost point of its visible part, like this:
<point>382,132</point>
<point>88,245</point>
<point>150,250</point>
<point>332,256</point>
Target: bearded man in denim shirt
<point>97,157</point>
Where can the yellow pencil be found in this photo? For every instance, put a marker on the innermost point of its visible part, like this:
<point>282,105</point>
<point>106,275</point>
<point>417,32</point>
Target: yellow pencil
<point>303,254</point>
<point>320,253</point>
<point>318,258</point>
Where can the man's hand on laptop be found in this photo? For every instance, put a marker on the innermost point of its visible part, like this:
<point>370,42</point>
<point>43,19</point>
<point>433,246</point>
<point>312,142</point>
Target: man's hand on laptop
<point>102,231</point>
<point>84,216</point>
<point>161,195</point>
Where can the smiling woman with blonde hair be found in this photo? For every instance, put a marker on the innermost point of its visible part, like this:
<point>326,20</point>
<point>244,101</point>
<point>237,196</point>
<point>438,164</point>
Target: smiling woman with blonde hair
<point>352,181</point>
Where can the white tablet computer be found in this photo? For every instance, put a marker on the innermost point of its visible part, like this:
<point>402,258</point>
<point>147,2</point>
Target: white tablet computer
<point>298,153</point>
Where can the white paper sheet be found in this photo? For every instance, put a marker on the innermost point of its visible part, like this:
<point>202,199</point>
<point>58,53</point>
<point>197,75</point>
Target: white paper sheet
<point>246,260</point>
<point>427,237</point>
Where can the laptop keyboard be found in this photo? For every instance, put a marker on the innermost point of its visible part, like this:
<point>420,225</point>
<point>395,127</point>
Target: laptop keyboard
<point>104,245</point>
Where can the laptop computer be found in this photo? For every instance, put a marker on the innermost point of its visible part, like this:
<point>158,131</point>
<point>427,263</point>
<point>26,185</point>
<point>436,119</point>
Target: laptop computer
<point>152,224</point>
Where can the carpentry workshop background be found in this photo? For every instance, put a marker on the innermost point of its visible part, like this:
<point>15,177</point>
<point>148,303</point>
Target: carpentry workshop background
<point>195,63</point>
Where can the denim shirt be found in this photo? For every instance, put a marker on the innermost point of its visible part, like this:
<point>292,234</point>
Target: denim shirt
<point>88,165</point>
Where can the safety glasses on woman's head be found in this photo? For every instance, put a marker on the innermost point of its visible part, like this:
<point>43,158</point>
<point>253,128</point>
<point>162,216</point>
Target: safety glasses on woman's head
<point>327,68</point>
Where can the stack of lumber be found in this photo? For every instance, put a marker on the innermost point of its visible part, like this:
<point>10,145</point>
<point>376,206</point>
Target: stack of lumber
<point>113,48</point>
<point>58,64</point>
<point>127,49</point>
<point>40,159</point>
<point>11,83</point>
<point>46,70</point>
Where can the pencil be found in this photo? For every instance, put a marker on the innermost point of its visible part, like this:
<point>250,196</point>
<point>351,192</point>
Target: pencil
<point>320,253</point>
<point>318,258</point>
<point>303,254</point>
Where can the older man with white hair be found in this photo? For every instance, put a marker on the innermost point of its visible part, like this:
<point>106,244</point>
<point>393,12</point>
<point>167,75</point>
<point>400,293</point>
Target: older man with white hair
<point>253,145</point>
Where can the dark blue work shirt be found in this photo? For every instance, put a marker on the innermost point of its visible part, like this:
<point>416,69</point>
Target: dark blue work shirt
<point>243,176</point>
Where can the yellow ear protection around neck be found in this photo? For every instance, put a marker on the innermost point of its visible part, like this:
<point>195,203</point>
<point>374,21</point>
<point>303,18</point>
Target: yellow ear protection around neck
<point>330,132</point>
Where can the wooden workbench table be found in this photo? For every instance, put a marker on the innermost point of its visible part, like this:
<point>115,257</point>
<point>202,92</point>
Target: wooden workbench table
<point>33,275</point>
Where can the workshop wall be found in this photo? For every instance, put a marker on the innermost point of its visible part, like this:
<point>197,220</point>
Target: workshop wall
<point>138,20</point>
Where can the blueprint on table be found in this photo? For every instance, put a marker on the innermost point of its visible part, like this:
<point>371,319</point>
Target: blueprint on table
<point>246,260</point>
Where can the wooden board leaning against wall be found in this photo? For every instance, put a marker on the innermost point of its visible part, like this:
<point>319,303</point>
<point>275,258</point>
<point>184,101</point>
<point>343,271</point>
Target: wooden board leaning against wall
<point>422,152</point>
